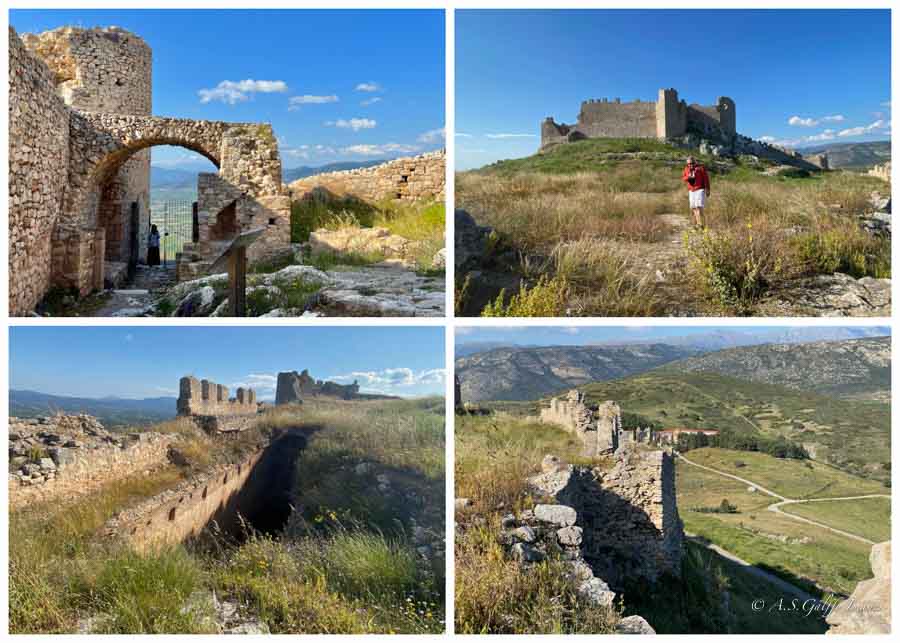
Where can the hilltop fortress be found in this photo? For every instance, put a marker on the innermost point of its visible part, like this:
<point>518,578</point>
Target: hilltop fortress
<point>80,129</point>
<point>713,128</point>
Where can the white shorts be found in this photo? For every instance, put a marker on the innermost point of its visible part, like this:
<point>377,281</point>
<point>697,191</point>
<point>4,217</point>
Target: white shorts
<point>697,198</point>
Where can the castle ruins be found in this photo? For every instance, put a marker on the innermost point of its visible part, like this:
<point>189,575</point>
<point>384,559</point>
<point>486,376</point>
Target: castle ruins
<point>210,406</point>
<point>599,428</point>
<point>294,387</point>
<point>712,128</point>
<point>80,130</point>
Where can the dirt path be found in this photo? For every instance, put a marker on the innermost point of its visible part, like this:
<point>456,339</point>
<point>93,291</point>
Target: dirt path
<point>782,501</point>
<point>753,570</point>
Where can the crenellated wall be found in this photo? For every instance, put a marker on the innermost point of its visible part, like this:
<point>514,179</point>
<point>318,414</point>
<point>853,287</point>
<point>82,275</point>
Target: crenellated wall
<point>598,430</point>
<point>203,397</point>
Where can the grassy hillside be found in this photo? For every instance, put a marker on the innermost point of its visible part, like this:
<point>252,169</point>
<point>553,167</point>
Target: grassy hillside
<point>866,517</point>
<point>851,435</point>
<point>494,455</point>
<point>859,368</point>
<point>804,555</point>
<point>602,227</point>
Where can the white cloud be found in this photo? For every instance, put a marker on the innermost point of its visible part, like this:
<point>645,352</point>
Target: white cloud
<point>886,103</point>
<point>826,135</point>
<point>294,102</point>
<point>461,135</point>
<point>391,378</point>
<point>368,87</point>
<point>378,150</point>
<point>232,92</point>
<point>370,101</point>
<point>355,124</point>
<point>767,139</point>
<point>812,122</point>
<point>872,128</point>
<point>571,330</point>
<point>432,136</point>
<point>511,135</point>
<point>263,383</point>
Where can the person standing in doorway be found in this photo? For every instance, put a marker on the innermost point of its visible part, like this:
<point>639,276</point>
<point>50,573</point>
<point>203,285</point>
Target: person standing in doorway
<point>698,188</point>
<point>153,247</point>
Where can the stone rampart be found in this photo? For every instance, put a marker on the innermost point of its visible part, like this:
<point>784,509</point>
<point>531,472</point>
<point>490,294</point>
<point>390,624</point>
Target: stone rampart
<point>38,160</point>
<point>882,171</point>
<point>598,429</point>
<point>64,456</point>
<point>293,388</point>
<point>628,514</point>
<point>181,513</point>
<point>411,178</point>
<point>212,408</point>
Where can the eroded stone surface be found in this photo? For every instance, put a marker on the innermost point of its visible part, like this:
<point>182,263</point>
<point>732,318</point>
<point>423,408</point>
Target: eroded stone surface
<point>868,610</point>
<point>836,295</point>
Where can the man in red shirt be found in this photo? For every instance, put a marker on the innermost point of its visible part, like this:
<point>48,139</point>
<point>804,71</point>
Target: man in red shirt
<point>697,181</point>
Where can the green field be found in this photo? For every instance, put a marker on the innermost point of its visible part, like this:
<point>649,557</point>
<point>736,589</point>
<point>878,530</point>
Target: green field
<point>795,479</point>
<point>821,423</point>
<point>808,557</point>
<point>866,517</point>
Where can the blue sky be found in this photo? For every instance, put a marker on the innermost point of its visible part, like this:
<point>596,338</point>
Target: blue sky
<point>139,361</point>
<point>337,85</point>
<point>825,71</point>
<point>586,335</point>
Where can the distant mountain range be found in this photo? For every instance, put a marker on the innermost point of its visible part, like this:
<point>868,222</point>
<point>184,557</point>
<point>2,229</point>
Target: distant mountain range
<point>530,373</point>
<point>709,341</point>
<point>859,368</point>
<point>111,411</point>
<point>491,372</point>
<point>853,155</point>
<point>292,174</point>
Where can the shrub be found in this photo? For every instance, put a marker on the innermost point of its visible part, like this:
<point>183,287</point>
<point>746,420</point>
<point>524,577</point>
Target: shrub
<point>547,298</point>
<point>844,249</point>
<point>736,266</point>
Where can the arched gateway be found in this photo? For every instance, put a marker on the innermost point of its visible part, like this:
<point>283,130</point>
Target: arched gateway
<point>80,131</point>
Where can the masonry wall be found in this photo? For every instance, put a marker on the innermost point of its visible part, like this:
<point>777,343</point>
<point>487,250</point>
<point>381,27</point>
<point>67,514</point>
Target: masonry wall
<point>81,471</point>
<point>183,513</point>
<point>38,167</point>
<point>600,435</point>
<point>614,119</point>
<point>106,70</point>
<point>628,514</point>
<point>412,178</point>
<point>203,397</point>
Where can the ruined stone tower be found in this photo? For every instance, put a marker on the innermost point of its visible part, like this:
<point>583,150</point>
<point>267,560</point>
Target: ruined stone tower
<point>106,70</point>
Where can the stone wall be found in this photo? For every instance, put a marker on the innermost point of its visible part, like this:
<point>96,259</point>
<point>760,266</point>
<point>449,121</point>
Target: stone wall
<point>80,133</point>
<point>628,514</point>
<point>599,431</point>
<point>64,456</point>
<point>412,178</point>
<point>181,513</point>
<point>294,387</point>
<point>38,161</point>
<point>206,398</point>
<point>882,171</point>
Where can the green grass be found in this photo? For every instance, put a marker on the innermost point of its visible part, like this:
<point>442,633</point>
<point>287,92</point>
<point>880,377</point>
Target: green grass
<point>806,556</point>
<point>796,479</point>
<point>866,517</point>
<point>337,568</point>
<point>707,400</point>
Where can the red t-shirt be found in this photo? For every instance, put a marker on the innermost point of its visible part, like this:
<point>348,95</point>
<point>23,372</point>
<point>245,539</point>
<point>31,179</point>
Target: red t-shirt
<point>701,178</point>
